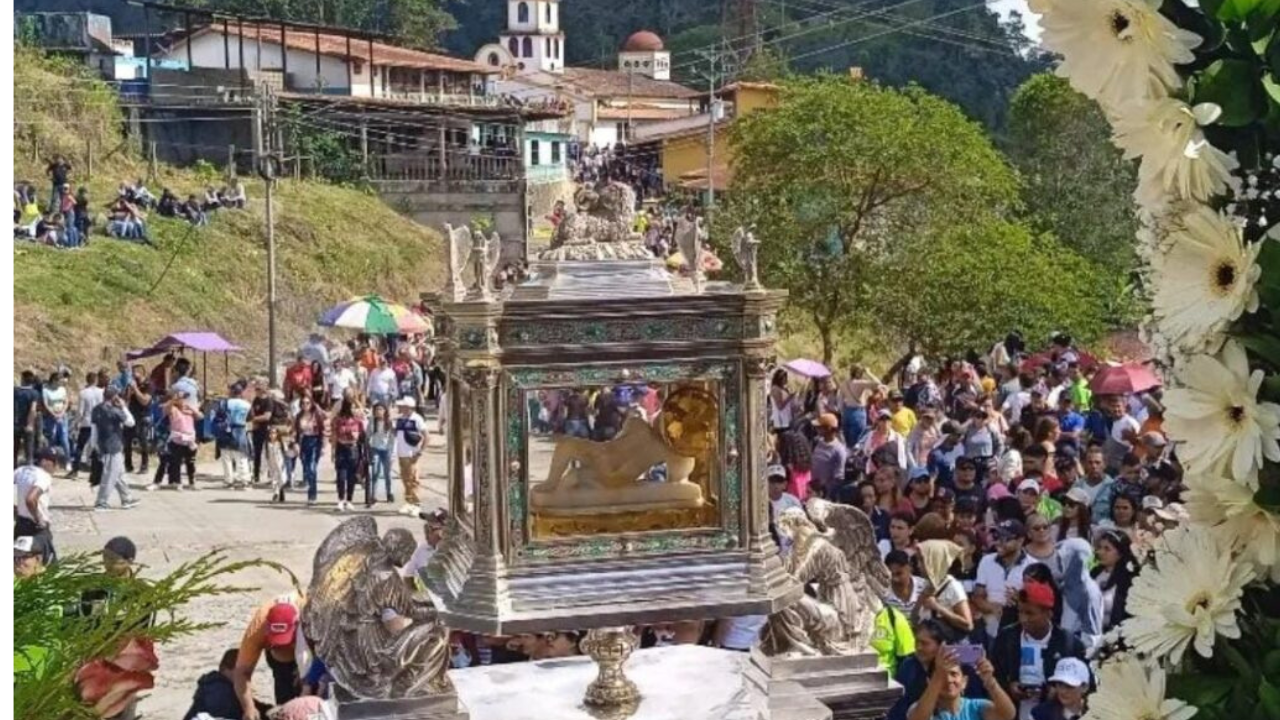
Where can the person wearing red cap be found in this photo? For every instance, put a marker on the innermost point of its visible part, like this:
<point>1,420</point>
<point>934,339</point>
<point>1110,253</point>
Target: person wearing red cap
<point>272,631</point>
<point>1025,654</point>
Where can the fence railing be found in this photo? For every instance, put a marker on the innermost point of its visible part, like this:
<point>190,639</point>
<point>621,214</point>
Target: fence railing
<point>426,165</point>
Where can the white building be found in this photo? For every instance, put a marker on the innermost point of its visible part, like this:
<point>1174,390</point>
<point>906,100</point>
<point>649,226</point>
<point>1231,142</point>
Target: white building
<point>609,106</point>
<point>308,62</point>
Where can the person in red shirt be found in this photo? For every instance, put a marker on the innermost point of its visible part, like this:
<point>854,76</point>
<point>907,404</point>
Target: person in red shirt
<point>160,375</point>
<point>297,379</point>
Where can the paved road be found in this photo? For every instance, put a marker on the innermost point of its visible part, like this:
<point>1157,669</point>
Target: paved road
<point>171,528</point>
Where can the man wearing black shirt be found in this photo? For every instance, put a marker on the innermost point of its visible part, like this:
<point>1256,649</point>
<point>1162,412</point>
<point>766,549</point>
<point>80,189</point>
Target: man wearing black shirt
<point>139,401</point>
<point>260,424</point>
<point>59,171</point>
<point>26,403</point>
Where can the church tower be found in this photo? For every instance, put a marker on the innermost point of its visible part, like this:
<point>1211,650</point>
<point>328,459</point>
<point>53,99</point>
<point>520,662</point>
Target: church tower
<point>533,37</point>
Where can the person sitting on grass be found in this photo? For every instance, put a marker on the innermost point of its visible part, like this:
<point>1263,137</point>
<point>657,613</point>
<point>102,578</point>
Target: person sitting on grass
<point>126,221</point>
<point>192,212</point>
<point>168,204</point>
<point>234,196</point>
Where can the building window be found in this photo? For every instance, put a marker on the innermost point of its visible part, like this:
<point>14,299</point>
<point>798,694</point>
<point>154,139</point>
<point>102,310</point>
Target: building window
<point>621,130</point>
<point>547,44</point>
<point>493,59</point>
<point>548,13</point>
<point>534,159</point>
<point>555,153</point>
<point>528,47</point>
<point>522,12</point>
<point>557,54</point>
<point>513,45</point>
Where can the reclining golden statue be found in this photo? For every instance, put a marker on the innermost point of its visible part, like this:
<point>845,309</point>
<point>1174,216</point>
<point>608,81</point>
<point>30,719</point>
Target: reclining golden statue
<point>607,477</point>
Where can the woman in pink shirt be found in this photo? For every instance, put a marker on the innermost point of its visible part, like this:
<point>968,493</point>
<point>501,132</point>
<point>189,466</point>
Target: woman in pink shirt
<point>182,440</point>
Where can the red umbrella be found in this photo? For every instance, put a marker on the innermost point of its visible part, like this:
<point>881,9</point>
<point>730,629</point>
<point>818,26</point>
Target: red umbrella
<point>1035,362</point>
<point>1124,379</point>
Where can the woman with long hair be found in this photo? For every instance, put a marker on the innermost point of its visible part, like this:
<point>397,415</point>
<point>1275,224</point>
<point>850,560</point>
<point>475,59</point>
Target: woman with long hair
<point>319,388</point>
<point>781,402</point>
<point>382,440</point>
<point>796,455</point>
<point>867,503</point>
<point>1114,574</point>
<point>347,432</point>
<point>1077,518</point>
<point>965,568</point>
<point>310,426</point>
<point>1124,515</point>
<point>888,484</point>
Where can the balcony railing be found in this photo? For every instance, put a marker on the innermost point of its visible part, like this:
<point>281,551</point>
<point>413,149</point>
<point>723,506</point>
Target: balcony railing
<point>458,166</point>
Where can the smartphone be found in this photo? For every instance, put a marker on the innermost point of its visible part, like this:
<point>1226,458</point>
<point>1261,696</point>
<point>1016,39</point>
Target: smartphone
<point>967,653</point>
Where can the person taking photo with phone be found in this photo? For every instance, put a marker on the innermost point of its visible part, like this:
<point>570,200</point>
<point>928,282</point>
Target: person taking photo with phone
<point>944,698</point>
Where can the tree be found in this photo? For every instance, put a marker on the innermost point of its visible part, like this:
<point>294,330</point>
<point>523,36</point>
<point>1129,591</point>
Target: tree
<point>1076,184</point>
<point>842,171</point>
<point>971,283</point>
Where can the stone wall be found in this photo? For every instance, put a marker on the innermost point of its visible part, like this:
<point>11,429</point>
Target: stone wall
<point>461,203</point>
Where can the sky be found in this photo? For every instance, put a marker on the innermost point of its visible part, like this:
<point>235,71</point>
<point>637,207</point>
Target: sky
<point>1004,6</point>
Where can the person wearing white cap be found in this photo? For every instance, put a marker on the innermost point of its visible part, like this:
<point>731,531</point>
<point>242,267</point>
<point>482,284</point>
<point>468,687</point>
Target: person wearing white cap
<point>411,440</point>
<point>1070,682</point>
<point>778,495</point>
<point>1076,520</point>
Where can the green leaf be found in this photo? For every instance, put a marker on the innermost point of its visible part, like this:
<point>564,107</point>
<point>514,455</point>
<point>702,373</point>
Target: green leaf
<point>1269,699</point>
<point>1234,86</point>
<point>1268,498</point>
<point>1200,690</point>
<point>1271,665</point>
<point>1238,10</point>
<point>1266,347</point>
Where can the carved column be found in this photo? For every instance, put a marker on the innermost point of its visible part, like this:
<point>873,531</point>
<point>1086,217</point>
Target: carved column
<point>767,571</point>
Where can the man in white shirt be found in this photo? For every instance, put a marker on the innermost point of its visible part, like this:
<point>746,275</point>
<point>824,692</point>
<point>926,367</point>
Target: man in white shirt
<point>88,399</point>
<point>411,440</point>
<point>53,406</point>
<point>341,378</point>
<point>778,495</point>
<point>999,574</point>
<point>32,485</point>
<point>433,533</point>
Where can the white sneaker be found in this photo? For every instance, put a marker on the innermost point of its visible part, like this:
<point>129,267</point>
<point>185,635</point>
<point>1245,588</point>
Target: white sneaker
<point>152,488</point>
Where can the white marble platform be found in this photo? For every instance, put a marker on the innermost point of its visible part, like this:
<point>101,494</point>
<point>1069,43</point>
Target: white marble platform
<point>682,681</point>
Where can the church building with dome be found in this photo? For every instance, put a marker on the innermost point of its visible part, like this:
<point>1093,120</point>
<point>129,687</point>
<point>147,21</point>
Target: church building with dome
<point>609,102</point>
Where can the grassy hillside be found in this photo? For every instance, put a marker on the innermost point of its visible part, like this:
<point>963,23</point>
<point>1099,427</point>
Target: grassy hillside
<point>85,306</point>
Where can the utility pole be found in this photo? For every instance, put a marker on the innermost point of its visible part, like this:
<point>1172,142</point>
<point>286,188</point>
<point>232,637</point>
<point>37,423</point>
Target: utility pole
<point>716,71</point>
<point>269,168</point>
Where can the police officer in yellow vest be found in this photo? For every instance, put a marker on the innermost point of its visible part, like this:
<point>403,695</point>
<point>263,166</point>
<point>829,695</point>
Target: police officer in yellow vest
<point>891,638</point>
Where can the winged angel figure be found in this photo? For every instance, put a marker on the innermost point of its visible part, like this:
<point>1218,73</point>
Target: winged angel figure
<point>378,640</point>
<point>834,550</point>
<point>458,246</point>
<point>744,245</point>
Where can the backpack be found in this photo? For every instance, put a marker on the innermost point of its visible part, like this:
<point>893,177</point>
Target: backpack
<point>412,435</point>
<point>220,426</point>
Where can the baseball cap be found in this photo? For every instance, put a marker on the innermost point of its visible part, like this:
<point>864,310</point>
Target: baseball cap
<point>1038,593</point>
<point>883,414</point>
<point>966,462</point>
<point>895,394</point>
<point>944,494</point>
<point>950,427</point>
<point>122,547</point>
<point>1070,671</point>
<point>50,453</point>
<point>1151,502</point>
<point>828,421</point>
<point>406,402</point>
<point>282,623</point>
<point>1078,496</point>
<point>776,472</point>
<point>1029,486</point>
<point>29,545</point>
<point>918,473</point>
<point>967,504</point>
<point>1007,529</point>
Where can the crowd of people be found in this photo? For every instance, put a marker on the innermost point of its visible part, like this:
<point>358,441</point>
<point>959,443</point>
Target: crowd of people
<point>1012,506</point>
<point>618,162</point>
<point>67,220</point>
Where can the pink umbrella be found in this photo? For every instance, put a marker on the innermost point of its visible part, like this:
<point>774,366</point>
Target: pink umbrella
<point>808,368</point>
<point>1124,379</point>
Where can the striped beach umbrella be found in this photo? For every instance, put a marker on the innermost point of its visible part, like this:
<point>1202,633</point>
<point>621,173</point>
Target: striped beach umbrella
<point>372,314</point>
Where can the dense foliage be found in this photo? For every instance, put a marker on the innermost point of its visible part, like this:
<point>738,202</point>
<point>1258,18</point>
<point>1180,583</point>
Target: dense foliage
<point>888,209</point>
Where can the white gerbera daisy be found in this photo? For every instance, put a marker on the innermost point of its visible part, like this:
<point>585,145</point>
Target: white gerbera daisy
<point>1116,50</point>
<point>1204,280</point>
<point>1216,414</point>
<point>1229,510</point>
<point>1129,691</point>
<point>1177,162</point>
<point>1189,597</point>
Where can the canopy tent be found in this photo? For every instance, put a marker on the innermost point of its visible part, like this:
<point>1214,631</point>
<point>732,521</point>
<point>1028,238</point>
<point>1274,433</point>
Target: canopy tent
<point>199,341</point>
<point>202,342</point>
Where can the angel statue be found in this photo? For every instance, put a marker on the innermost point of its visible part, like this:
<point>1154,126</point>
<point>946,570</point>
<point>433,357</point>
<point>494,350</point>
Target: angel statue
<point>745,246</point>
<point>458,247</point>
<point>378,639</point>
<point>834,550</point>
<point>485,253</point>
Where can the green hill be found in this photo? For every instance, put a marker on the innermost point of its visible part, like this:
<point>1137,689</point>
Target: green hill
<point>84,307</point>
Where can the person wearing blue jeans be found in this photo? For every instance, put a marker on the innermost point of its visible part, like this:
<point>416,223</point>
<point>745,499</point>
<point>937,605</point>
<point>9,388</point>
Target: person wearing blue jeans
<point>853,422</point>
<point>309,428</point>
<point>382,438</point>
